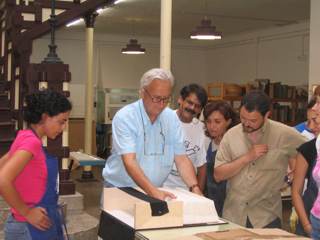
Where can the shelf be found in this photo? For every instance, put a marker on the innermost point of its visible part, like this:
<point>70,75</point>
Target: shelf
<point>287,100</point>
<point>289,109</point>
<point>227,98</point>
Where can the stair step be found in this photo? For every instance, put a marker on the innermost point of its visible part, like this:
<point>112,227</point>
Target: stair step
<point>82,227</point>
<point>4,102</point>
<point>4,146</point>
<point>7,130</point>
<point>5,114</point>
<point>6,123</point>
<point>4,85</point>
<point>74,202</point>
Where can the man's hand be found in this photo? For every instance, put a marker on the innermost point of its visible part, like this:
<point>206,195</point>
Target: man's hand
<point>162,195</point>
<point>196,189</point>
<point>257,151</point>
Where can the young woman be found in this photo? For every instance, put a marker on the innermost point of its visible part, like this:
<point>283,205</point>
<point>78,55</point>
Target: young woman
<point>315,211</point>
<point>305,162</point>
<point>218,117</point>
<point>28,174</point>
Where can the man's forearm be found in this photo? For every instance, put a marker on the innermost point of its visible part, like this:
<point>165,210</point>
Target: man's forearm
<point>186,170</point>
<point>228,170</point>
<point>136,173</point>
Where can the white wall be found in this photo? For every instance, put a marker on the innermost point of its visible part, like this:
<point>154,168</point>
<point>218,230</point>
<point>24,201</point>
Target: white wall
<point>115,70</point>
<point>280,54</point>
<point>314,70</point>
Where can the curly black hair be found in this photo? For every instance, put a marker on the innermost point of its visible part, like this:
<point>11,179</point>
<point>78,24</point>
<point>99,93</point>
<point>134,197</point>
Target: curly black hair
<point>198,90</point>
<point>46,101</point>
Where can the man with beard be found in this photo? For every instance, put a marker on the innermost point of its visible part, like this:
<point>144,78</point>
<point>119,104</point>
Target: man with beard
<point>191,101</point>
<point>253,156</point>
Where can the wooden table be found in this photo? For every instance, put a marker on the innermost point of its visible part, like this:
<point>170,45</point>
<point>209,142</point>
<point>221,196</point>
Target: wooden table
<point>169,234</point>
<point>84,159</point>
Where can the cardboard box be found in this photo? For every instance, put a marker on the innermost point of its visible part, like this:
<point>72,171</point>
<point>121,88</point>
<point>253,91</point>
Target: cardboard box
<point>126,210</point>
<point>137,213</point>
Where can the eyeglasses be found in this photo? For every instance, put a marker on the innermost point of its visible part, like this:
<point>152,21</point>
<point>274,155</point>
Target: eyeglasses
<point>190,103</point>
<point>153,144</point>
<point>158,99</point>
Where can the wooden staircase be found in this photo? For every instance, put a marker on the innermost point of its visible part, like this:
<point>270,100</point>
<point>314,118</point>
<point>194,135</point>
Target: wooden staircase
<point>7,125</point>
<point>21,22</point>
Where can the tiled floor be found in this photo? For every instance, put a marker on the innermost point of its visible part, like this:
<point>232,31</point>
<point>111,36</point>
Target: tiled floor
<point>92,193</point>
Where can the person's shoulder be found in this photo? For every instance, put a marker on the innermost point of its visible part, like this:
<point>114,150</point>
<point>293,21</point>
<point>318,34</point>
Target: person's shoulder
<point>27,134</point>
<point>169,114</point>
<point>301,127</point>
<point>128,111</point>
<point>234,130</point>
<point>309,144</point>
<point>279,126</point>
<point>197,122</point>
<point>233,135</point>
<point>286,132</point>
<point>169,111</point>
<point>27,138</point>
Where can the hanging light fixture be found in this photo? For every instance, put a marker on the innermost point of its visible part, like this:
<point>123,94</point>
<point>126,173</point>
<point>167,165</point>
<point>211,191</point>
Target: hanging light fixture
<point>205,31</point>
<point>133,48</point>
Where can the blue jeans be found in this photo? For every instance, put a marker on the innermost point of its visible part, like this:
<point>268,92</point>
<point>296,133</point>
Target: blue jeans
<point>14,230</point>
<point>315,222</point>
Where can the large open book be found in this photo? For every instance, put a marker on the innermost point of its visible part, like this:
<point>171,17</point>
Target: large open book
<point>139,211</point>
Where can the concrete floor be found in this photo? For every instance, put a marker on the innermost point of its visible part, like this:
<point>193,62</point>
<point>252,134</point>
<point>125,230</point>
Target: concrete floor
<point>91,190</point>
<point>92,193</point>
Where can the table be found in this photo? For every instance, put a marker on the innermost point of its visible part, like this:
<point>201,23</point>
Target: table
<point>166,234</point>
<point>85,159</point>
<point>111,228</point>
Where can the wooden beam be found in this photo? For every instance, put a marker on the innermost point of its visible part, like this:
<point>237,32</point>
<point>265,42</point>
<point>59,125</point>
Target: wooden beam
<point>62,19</point>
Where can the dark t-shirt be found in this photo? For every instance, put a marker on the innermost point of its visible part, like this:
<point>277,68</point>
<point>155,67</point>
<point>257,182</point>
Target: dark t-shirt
<point>309,152</point>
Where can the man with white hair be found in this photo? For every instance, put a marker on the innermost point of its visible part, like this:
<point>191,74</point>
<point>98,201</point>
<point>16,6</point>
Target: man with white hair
<point>147,140</point>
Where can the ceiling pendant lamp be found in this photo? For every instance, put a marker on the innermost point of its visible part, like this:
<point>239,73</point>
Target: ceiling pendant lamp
<point>205,31</point>
<point>133,48</point>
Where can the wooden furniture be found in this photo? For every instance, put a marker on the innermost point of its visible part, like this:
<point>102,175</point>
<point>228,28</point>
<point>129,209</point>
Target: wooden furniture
<point>83,159</point>
<point>221,91</point>
<point>287,107</point>
<point>166,234</point>
<point>226,91</point>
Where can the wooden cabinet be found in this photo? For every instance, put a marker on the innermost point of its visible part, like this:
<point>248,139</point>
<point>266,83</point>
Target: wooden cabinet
<point>290,109</point>
<point>221,91</point>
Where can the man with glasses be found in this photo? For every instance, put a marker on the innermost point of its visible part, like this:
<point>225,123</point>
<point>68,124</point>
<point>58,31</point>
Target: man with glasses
<point>254,156</point>
<point>192,100</point>
<point>147,140</point>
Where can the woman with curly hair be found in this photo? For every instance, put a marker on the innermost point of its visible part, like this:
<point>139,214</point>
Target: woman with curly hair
<point>219,116</point>
<point>28,174</point>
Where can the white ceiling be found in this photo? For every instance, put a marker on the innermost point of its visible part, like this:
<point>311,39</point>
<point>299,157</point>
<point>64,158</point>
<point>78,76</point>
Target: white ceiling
<point>142,17</point>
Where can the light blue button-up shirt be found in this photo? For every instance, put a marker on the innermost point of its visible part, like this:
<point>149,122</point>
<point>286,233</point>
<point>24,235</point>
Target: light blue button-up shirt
<point>155,144</point>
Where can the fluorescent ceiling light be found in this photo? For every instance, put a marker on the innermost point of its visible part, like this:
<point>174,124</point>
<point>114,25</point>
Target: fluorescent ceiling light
<point>133,48</point>
<point>118,1</point>
<point>75,22</point>
<point>205,31</point>
<point>101,10</point>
